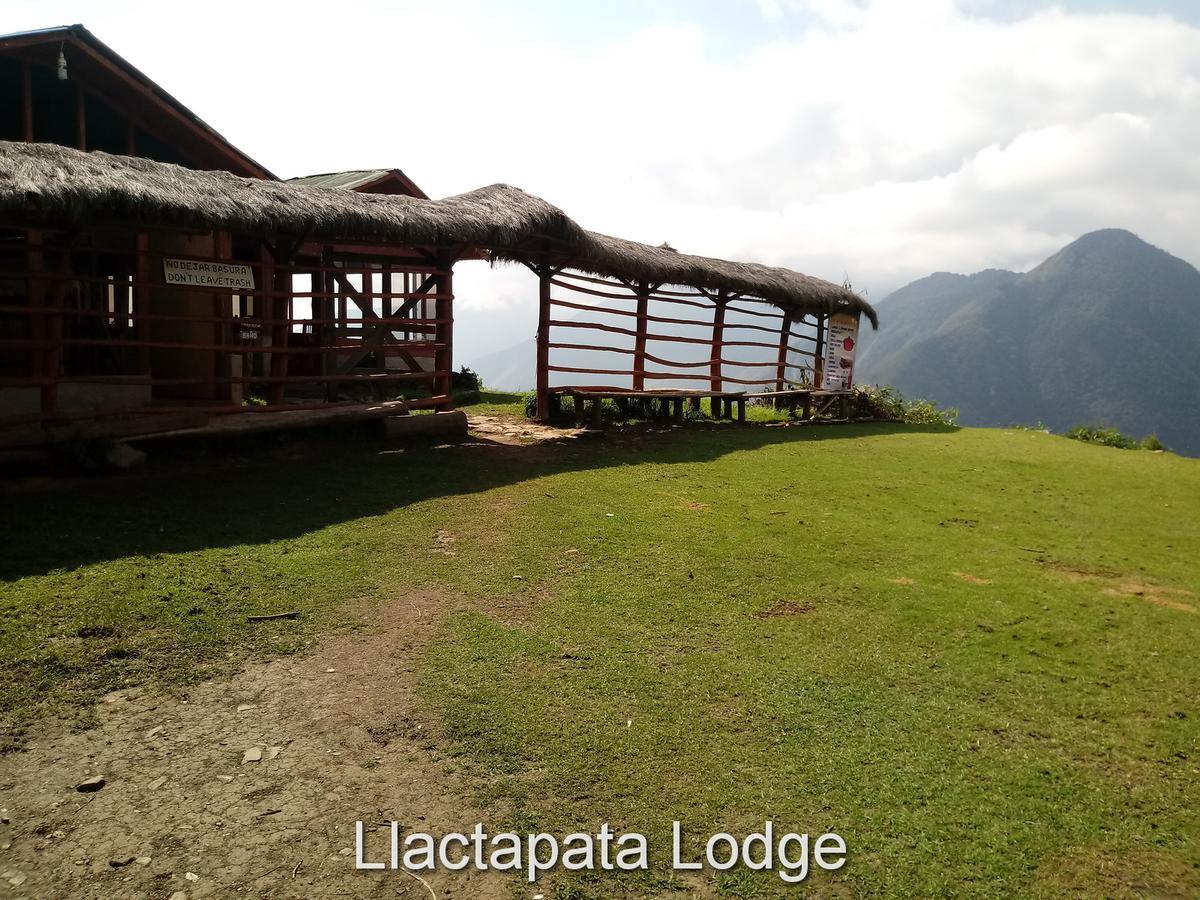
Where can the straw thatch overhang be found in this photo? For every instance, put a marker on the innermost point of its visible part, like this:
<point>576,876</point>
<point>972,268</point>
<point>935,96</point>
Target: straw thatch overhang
<point>604,255</point>
<point>55,186</point>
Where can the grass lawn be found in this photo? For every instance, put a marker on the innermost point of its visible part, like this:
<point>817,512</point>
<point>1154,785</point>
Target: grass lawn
<point>969,652</point>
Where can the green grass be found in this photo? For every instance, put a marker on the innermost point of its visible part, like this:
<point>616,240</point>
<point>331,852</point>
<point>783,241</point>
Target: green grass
<point>902,635</point>
<point>498,403</point>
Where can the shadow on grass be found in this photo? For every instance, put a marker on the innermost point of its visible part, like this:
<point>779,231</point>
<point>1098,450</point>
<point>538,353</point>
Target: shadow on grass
<point>254,491</point>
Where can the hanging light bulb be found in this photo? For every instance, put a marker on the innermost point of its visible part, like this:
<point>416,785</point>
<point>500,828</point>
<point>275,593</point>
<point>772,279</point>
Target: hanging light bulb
<point>62,65</point>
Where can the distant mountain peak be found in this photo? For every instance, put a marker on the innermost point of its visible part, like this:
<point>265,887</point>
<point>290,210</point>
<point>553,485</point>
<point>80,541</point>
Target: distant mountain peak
<point>1110,240</point>
<point>1109,234</point>
<point>1078,339</point>
<point>1099,253</point>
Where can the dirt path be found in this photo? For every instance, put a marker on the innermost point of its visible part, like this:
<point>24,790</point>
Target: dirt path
<point>340,739</point>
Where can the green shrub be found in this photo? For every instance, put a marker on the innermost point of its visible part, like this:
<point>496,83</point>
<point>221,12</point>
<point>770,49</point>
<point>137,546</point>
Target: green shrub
<point>887,404</point>
<point>1111,437</point>
<point>1151,442</point>
<point>1100,434</point>
<point>466,380</point>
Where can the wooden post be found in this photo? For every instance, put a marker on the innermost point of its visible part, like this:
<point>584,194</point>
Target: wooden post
<point>141,303</point>
<point>385,310</point>
<point>222,368</point>
<point>54,333</point>
<point>80,117</point>
<point>785,331</point>
<point>639,341</point>
<point>281,310</point>
<point>443,357</point>
<point>35,298</point>
<point>543,344</point>
<point>326,332</point>
<point>26,103</point>
<point>819,359</point>
<point>716,351</point>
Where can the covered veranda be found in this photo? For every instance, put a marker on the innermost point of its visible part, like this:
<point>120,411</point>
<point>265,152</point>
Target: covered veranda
<point>129,286</point>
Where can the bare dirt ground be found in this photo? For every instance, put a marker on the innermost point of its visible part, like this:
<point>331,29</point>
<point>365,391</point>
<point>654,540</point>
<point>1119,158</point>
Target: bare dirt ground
<point>251,785</point>
<point>510,430</point>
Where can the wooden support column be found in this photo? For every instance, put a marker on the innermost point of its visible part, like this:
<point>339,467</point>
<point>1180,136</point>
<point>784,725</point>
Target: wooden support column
<point>141,303</point>
<point>785,332</point>
<point>26,103</point>
<point>45,292</point>
<point>222,310</point>
<point>54,330</point>
<point>323,311</point>
<point>443,358</point>
<point>385,313</point>
<point>819,359</point>
<point>545,273</point>
<point>717,350</point>
<point>639,342</point>
<point>80,117</point>
<point>280,306</point>
<point>35,298</point>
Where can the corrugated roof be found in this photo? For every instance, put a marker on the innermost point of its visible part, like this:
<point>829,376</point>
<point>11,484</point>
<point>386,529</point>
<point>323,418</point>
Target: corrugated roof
<point>349,181</point>
<point>382,181</point>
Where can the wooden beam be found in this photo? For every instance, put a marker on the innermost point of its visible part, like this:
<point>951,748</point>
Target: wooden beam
<point>718,342</point>
<point>26,103</point>
<point>276,280</point>
<point>543,344</point>
<point>443,359</point>
<point>785,329</point>
<point>222,303</point>
<point>423,288</point>
<point>35,299</point>
<point>141,302</point>
<point>642,290</point>
<point>819,354</point>
<point>80,118</point>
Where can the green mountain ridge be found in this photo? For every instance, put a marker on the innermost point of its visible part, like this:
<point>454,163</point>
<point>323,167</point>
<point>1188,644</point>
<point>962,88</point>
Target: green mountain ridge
<point>1106,331</point>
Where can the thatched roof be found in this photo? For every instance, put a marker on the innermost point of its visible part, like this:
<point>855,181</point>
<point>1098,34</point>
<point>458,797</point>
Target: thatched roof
<point>55,186</point>
<point>604,255</point>
<point>58,186</point>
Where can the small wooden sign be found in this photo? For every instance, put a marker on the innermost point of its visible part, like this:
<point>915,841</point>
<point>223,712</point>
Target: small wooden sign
<point>210,273</point>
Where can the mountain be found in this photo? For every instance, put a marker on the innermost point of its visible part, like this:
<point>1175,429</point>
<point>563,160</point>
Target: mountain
<point>1106,331</point>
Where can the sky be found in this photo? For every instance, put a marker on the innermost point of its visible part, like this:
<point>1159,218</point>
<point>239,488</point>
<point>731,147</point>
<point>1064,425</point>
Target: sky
<point>869,140</point>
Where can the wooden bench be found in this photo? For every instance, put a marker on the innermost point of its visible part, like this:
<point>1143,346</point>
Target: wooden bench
<point>723,402</point>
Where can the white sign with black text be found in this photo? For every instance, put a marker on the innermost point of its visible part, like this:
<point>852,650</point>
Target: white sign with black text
<point>840,343</point>
<point>208,273</point>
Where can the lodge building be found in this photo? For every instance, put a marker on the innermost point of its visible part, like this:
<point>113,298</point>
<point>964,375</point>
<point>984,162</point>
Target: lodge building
<point>153,276</point>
